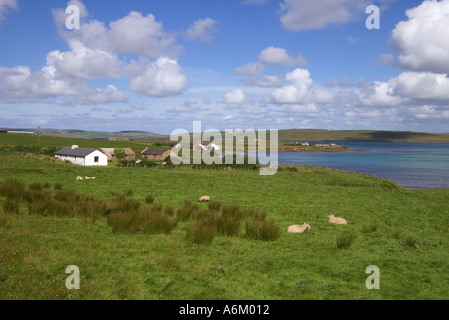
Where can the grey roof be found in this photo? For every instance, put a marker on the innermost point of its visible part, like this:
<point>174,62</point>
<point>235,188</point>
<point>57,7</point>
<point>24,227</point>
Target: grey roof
<point>77,152</point>
<point>153,152</point>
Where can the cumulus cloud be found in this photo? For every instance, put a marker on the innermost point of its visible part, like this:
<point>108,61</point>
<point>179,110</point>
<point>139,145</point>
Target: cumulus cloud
<point>85,63</point>
<point>419,40</point>
<point>280,57</point>
<point>6,6</point>
<point>297,89</point>
<point>423,85</point>
<point>133,34</point>
<point>20,84</point>
<point>235,97</point>
<point>202,29</point>
<point>298,15</point>
<point>161,78</point>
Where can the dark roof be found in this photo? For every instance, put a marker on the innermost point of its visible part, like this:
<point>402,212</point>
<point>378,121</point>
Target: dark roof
<point>77,152</point>
<point>153,152</point>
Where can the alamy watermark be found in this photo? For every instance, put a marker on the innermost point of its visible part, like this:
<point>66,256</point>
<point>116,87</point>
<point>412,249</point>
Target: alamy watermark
<point>373,281</point>
<point>192,149</point>
<point>373,21</point>
<point>73,20</point>
<point>73,281</point>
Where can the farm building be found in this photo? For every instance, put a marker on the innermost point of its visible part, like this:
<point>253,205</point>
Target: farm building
<point>82,156</point>
<point>155,154</point>
<point>129,153</point>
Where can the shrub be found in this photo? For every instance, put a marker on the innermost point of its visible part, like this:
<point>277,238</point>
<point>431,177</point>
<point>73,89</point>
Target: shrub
<point>202,231</point>
<point>13,188</point>
<point>228,226</point>
<point>187,210</point>
<point>214,205</point>
<point>124,204</point>
<point>58,186</point>
<point>232,210</point>
<point>345,241</point>
<point>11,206</point>
<point>4,220</point>
<point>157,223</point>
<point>149,199</point>
<point>126,222</point>
<point>254,213</point>
<point>262,230</point>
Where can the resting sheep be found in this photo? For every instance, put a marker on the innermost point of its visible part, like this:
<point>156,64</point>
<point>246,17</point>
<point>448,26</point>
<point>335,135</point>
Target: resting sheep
<point>79,178</point>
<point>332,219</point>
<point>298,229</point>
<point>90,178</point>
<point>204,199</point>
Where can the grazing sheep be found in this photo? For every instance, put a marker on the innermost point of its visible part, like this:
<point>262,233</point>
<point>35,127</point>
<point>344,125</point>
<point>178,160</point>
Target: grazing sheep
<point>79,178</point>
<point>204,199</point>
<point>298,229</point>
<point>332,219</point>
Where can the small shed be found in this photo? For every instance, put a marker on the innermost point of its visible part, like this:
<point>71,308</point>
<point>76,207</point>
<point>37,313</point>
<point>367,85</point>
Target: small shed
<point>155,154</point>
<point>82,156</point>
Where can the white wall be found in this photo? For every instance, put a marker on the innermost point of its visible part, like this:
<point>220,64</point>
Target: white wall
<point>102,159</point>
<point>89,160</point>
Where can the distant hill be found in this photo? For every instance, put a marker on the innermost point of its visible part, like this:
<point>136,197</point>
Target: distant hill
<point>284,135</point>
<point>360,135</point>
<point>74,133</point>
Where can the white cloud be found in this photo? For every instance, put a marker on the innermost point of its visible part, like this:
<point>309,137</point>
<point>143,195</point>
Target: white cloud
<point>19,84</point>
<point>133,34</point>
<point>161,78</point>
<point>6,6</point>
<point>235,97</point>
<point>298,15</point>
<point>423,85</point>
<point>280,57</point>
<point>202,29</point>
<point>419,40</point>
<point>296,91</point>
<point>252,68</point>
<point>264,81</point>
<point>85,63</point>
<point>380,94</point>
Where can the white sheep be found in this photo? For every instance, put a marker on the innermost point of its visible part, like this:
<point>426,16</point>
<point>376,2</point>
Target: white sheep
<point>204,199</point>
<point>79,178</point>
<point>298,228</point>
<point>332,219</point>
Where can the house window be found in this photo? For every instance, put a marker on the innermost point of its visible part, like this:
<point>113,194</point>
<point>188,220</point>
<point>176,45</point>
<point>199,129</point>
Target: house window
<point>96,159</point>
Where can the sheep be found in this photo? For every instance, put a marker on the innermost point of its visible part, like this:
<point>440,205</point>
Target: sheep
<point>79,178</point>
<point>90,178</point>
<point>204,199</point>
<point>332,219</point>
<point>298,229</point>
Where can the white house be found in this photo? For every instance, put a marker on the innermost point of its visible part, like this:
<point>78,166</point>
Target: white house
<point>82,156</point>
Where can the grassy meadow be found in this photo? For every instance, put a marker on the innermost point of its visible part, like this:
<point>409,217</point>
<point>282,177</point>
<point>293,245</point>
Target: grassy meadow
<point>139,233</point>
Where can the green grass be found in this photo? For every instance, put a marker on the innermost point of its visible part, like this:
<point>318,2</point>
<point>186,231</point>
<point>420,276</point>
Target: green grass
<point>403,232</point>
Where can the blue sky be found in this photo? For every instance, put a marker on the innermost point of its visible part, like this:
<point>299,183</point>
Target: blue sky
<point>237,64</point>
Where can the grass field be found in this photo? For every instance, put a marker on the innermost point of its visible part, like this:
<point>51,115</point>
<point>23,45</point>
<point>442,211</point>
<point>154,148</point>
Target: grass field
<point>403,232</point>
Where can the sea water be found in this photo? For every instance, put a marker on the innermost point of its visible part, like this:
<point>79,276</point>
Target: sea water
<point>412,165</point>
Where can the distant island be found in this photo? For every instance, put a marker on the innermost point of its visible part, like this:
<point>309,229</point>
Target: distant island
<point>319,147</point>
